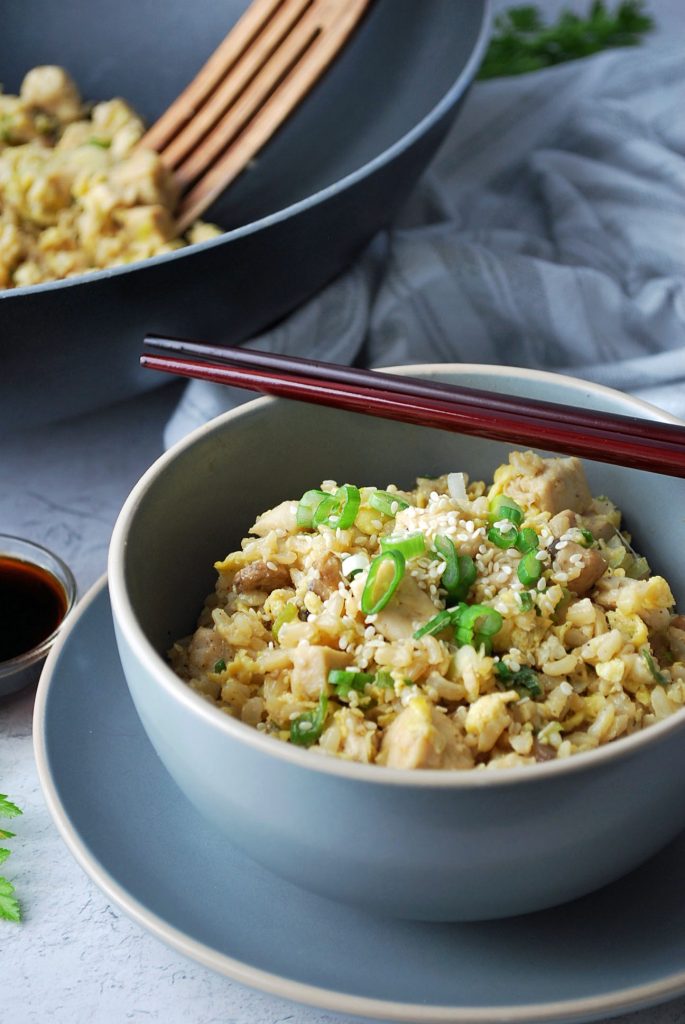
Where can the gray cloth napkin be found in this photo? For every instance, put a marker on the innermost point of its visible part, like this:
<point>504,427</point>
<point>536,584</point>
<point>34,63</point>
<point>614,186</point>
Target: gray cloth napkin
<point>549,232</point>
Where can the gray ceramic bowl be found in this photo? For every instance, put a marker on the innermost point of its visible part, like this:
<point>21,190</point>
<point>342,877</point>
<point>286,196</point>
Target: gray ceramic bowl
<point>431,845</point>
<point>319,191</point>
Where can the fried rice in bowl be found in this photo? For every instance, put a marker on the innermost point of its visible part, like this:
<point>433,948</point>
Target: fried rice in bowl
<point>433,676</point>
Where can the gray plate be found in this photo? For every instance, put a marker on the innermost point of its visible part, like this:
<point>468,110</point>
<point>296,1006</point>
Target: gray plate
<point>615,951</point>
<point>324,185</point>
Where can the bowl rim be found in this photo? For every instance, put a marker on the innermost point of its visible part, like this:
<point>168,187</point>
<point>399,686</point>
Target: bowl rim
<point>19,662</point>
<point>432,778</point>
<point>453,93</point>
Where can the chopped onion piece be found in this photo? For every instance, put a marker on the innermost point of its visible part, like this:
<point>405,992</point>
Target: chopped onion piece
<point>354,564</point>
<point>456,485</point>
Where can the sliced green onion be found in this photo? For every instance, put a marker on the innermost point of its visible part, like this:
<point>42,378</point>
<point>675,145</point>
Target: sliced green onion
<point>529,569</point>
<point>464,637</point>
<point>526,680</point>
<point>467,575</point>
<point>476,624</point>
<point>309,502</point>
<point>411,545</point>
<point>354,564</point>
<point>219,666</point>
<point>435,625</point>
<point>588,537</point>
<point>100,143</point>
<point>527,540</point>
<point>384,680</point>
<point>344,680</point>
<point>343,512</point>
<point>349,677</point>
<point>482,619</point>
<point>326,508</point>
<point>460,570</point>
<point>287,613</point>
<point>657,676</point>
<point>378,589</point>
<point>526,599</point>
<point>503,538</point>
<point>307,727</point>
<point>503,507</point>
<point>451,576</point>
<point>387,503</point>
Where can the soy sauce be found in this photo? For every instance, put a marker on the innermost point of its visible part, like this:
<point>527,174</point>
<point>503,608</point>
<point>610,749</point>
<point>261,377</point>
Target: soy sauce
<point>32,605</point>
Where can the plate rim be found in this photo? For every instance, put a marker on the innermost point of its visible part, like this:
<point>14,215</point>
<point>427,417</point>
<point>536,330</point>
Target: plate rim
<point>559,1012</point>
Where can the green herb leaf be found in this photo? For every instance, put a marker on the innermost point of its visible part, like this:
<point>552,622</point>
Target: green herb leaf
<point>9,906</point>
<point>521,41</point>
<point>8,809</point>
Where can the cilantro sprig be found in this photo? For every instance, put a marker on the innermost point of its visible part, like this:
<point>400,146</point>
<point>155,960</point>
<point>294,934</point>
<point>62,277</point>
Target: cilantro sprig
<point>522,42</point>
<point>9,905</point>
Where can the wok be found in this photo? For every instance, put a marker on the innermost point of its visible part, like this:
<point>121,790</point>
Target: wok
<point>331,178</point>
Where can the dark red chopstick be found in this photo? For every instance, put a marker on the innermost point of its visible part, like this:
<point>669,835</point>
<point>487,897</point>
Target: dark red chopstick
<point>513,425</point>
<point>483,401</point>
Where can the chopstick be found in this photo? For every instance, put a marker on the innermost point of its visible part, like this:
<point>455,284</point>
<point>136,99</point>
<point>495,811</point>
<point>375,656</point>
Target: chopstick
<point>604,437</point>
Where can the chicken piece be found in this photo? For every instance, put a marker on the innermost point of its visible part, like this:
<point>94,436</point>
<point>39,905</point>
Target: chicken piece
<point>488,717</point>
<point>206,648</point>
<point>281,517</point>
<point>582,566</point>
<point>562,522</point>
<point>550,485</point>
<point>409,608</point>
<point>51,89</point>
<point>423,737</point>
<point>311,665</point>
<point>261,576</point>
<point>329,576</point>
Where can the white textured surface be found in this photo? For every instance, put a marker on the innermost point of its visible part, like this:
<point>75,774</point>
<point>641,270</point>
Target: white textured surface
<point>75,958</point>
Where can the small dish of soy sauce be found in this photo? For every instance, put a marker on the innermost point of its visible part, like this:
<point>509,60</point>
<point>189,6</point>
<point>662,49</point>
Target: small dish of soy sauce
<point>37,592</point>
